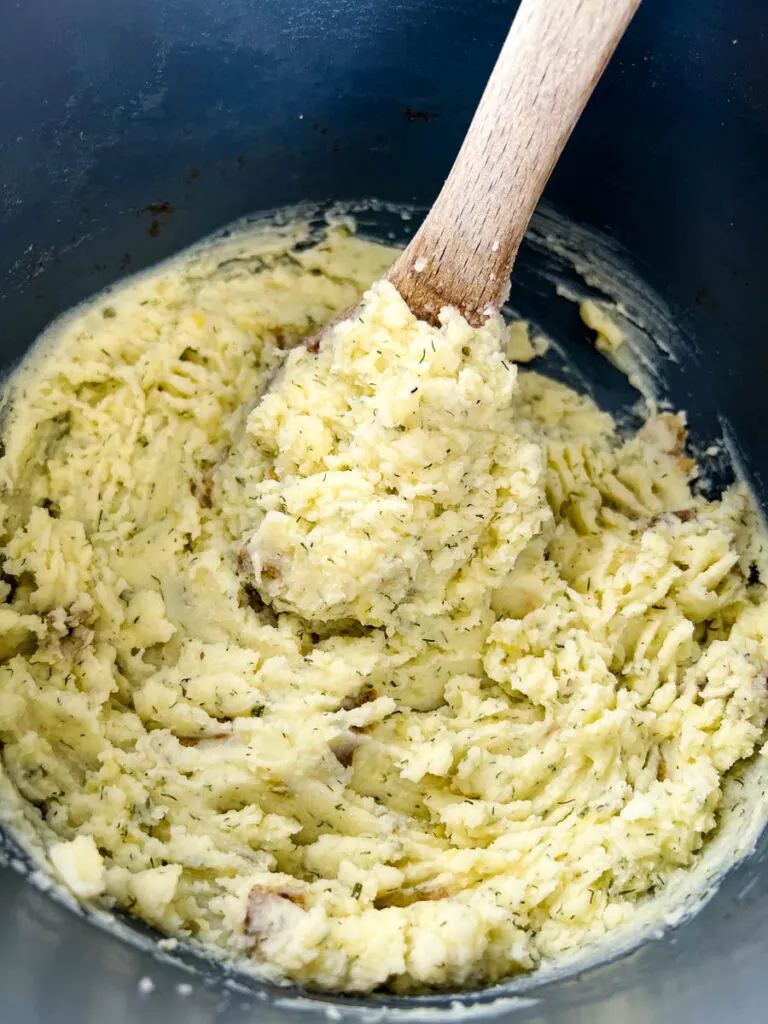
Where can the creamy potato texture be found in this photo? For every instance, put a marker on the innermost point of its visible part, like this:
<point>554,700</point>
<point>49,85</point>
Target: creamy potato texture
<point>408,671</point>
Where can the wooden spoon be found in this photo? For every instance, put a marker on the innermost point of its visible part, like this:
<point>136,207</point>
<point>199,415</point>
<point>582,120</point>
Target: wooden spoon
<point>463,253</point>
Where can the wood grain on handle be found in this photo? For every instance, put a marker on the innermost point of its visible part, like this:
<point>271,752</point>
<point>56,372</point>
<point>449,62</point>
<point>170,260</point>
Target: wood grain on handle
<point>463,253</point>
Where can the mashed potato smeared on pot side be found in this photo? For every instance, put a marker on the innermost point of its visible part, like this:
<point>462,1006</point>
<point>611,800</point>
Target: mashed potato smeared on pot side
<point>411,672</point>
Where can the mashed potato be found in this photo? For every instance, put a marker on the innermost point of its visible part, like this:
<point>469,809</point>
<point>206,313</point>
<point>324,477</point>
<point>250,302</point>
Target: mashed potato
<point>409,673</point>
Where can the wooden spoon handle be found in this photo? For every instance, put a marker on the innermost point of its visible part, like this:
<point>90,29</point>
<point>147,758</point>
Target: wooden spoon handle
<point>462,254</point>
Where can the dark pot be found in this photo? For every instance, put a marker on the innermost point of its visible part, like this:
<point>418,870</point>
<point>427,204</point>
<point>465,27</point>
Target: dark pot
<point>130,128</point>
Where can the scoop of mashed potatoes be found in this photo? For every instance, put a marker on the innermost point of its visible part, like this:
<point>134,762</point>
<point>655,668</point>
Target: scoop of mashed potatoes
<point>399,485</point>
<point>407,672</point>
